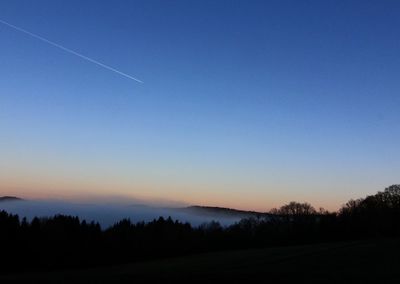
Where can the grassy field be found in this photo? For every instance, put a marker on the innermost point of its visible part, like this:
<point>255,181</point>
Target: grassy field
<point>375,261</point>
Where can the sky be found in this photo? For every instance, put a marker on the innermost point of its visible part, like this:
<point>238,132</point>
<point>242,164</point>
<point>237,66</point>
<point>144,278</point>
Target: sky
<point>244,104</point>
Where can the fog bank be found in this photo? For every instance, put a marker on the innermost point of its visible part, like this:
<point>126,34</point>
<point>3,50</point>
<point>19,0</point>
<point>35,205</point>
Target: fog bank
<point>108,214</point>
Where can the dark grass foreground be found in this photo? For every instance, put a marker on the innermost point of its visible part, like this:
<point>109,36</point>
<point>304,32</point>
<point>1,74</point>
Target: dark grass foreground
<point>358,244</point>
<point>372,261</point>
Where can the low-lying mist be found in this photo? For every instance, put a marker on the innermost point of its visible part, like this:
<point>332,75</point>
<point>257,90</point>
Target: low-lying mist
<point>108,214</point>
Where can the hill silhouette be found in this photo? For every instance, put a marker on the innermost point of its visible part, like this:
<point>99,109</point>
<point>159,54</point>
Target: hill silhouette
<point>10,198</point>
<point>61,241</point>
<point>228,212</point>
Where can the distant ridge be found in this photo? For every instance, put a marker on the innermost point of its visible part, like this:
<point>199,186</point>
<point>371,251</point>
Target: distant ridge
<point>229,212</point>
<point>10,198</point>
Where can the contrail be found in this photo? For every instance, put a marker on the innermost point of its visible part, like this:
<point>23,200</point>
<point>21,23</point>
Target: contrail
<point>70,51</point>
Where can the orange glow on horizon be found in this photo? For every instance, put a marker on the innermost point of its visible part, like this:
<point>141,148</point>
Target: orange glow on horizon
<point>148,194</point>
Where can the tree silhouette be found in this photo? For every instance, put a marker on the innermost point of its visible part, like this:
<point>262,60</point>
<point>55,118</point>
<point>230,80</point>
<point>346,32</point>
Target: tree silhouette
<point>65,241</point>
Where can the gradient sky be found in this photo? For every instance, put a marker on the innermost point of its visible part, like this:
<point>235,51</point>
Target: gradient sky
<point>247,104</point>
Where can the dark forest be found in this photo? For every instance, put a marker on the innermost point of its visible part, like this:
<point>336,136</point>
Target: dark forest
<point>61,242</point>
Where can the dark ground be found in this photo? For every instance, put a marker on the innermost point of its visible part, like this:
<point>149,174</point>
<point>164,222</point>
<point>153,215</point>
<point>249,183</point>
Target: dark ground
<point>373,261</point>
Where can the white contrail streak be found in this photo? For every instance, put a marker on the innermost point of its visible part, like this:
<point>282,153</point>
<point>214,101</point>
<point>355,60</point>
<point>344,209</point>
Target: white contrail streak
<point>70,51</point>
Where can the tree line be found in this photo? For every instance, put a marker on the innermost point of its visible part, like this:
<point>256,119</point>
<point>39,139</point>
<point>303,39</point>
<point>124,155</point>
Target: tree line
<point>66,241</point>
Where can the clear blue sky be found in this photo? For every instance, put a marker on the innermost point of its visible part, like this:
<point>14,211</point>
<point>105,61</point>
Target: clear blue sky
<point>246,104</point>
